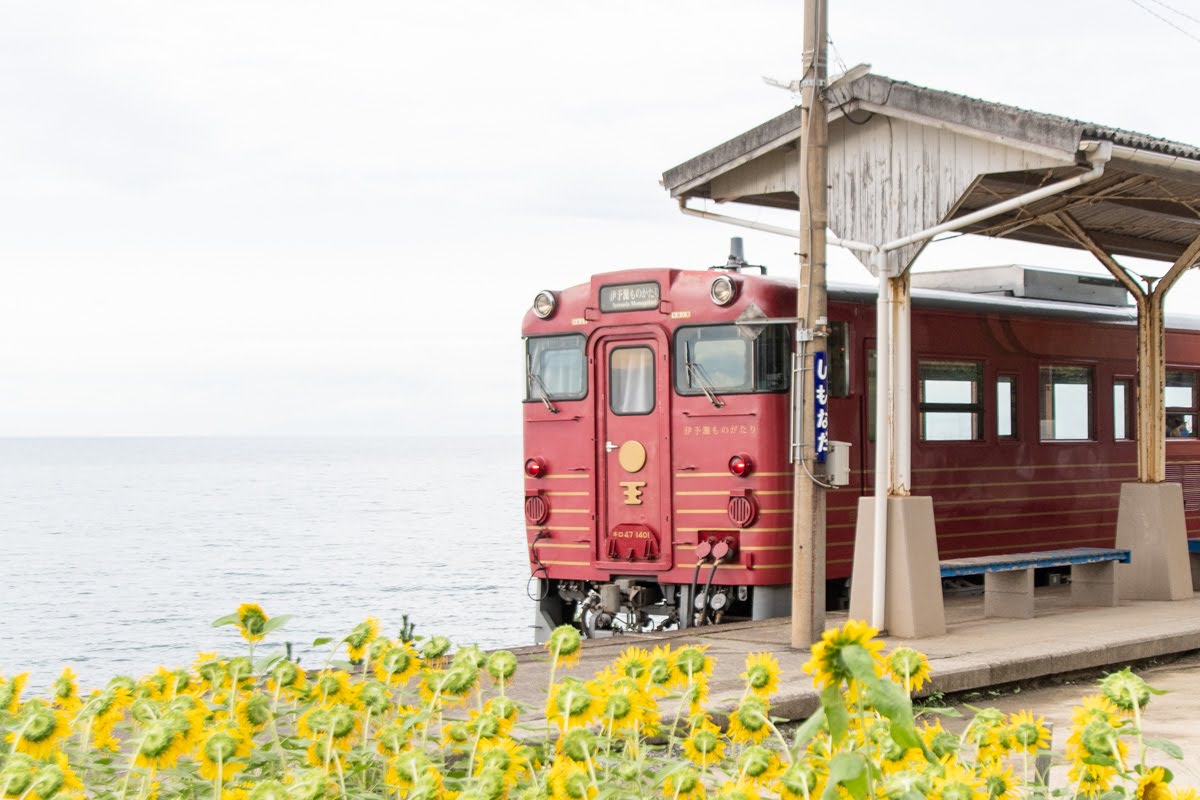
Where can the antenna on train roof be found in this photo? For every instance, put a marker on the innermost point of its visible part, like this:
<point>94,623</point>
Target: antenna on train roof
<point>737,258</point>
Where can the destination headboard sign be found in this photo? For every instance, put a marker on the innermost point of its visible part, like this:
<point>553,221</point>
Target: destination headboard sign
<point>629,296</point>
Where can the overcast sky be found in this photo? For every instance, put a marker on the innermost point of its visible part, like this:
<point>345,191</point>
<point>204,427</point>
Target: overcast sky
<point>329,218</point>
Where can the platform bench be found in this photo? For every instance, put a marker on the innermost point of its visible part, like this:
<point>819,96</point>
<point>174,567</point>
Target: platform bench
<point>1008,579</point>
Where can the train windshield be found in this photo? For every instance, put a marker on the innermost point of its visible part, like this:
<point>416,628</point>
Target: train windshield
<point>732,359</point>
<point>554,368</point>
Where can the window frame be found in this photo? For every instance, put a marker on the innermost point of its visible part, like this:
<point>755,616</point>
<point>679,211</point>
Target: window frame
<point>976,408</point>
<point>653,379</point>
<point>1014,380</point>
<point>1092,371</point>
<point>1192,412</point>
<point>532,397</point>
<point>679,369</point>
<point>1130,403</point>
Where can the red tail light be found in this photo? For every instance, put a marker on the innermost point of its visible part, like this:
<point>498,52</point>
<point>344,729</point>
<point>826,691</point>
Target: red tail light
<point>535,467</point>
<point>741,465</point>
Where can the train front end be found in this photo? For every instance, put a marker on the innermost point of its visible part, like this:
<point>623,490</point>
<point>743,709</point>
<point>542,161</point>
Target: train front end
<point>657,482</point>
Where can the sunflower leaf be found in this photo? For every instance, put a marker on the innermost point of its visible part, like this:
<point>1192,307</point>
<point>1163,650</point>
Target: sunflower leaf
<point>859,661</point>
<point>228,619</point>
<point>322,640</point>
<point>1166,746</point>
<point>890,700</point>
<point>275,623</point>
<point>835,712</point>
<point>849,771</point>
<point>808,729</point>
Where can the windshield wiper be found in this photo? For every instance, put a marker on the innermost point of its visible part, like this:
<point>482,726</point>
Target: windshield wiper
<point>535,379</point>
<point>698,376</point>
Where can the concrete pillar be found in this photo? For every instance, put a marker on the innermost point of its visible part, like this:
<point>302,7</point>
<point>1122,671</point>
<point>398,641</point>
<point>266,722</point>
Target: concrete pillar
<point>913,593</point>
<point>1151,525</point>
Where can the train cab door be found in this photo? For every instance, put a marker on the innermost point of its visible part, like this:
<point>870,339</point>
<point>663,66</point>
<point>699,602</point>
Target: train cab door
<point>632,373</point>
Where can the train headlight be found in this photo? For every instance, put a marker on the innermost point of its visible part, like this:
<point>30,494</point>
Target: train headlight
<point>535,467</point>
<point>740,465</point>
<point>544,304</point>
<point>722,291</point>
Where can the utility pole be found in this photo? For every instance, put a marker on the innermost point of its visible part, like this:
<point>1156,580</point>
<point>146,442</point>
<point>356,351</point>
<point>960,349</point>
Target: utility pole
<point>808,512</point>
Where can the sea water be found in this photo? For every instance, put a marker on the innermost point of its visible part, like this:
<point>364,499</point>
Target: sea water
<point>117,553</point>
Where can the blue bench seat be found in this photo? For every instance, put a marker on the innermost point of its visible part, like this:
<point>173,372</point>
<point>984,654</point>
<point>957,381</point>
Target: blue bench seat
<point>1008,578</point>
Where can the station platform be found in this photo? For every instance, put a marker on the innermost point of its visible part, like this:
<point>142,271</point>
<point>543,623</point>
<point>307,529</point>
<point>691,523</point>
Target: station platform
<point>977,653</point>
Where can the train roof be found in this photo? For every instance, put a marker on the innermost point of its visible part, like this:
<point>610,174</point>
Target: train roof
<point>1024,306</point>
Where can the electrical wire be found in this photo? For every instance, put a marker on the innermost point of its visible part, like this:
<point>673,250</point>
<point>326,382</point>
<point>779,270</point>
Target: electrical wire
<point>1176,10</point>
<point>1154,13</point>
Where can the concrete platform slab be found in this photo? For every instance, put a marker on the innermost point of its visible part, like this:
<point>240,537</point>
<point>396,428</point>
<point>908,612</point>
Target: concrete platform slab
<point>976,653</point>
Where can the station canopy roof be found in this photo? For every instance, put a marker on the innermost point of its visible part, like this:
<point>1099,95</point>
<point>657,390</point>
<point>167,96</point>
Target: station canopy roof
<point>903,158</point>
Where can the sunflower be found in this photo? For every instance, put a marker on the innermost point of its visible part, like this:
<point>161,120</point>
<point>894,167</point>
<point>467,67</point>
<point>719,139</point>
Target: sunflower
<point>661,671</point>
<point>909,667</point>
<point>799,782</point>
<point>758,764</point>
<point>103,710</point>
<point>1092,780</point>
<point>1126,691</point>
<point>501,666</point>
<point>10,692</point>
<point>163,741</point>
<point>750,721</point>
<point>503,755</point>
<point>941,742</point>
<point>740,790</point>
<point>252,622</point>
<point>361,637</point>
<point>456,736</point>
<point>504,710</point>
<point>578,745</point>
<point>683,783</point>
<point>65,691</point>
<point>253,711</point>
<point>39,729</point>
<point>987,731</point>
<point>287,678</point>
<point>624,707</point>
<point>1028,733</point>
<point>633,663</point>
<point>762,674</point>
<point>704,745</point>
<point>17,775</point>
<point>1095,706</point>
<point>999,781</point>
<point>570,781</point>
<point>221,753</point>
<point>827,665</point>
<point>565,646</point>
<point>55,777</point>
<point>211,669</point>
<point>956,782</point>
<point>689,663</point>
<point>573,703</point>
<point>1152,785</point>
<point>333,687</point>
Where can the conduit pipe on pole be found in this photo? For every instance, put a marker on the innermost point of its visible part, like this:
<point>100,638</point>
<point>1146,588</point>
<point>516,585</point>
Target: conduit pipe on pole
<point>883,408</point>
<point>1098,154</point>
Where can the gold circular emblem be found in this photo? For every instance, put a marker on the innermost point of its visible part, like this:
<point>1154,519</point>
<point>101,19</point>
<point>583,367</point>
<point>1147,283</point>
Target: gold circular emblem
<point>632,456</point>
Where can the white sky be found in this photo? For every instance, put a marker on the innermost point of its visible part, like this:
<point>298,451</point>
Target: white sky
<point>328,218</point>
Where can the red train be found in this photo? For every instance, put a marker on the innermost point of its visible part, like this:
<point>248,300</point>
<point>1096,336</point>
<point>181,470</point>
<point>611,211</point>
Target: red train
<point>658,489</point>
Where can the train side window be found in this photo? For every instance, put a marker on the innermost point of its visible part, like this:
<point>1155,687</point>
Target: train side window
<point>555,368</point>
<point>951,400</point>
<point>1065,399</point>
<point>1181,404</point>
<point>731,359</point>
<point>631,380</point>
<point>837,348</point>
<point>1122,389</point>
<point>1006,407</point>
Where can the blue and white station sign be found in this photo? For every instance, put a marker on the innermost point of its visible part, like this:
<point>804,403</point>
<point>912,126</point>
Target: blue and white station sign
<point>821,404</point>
